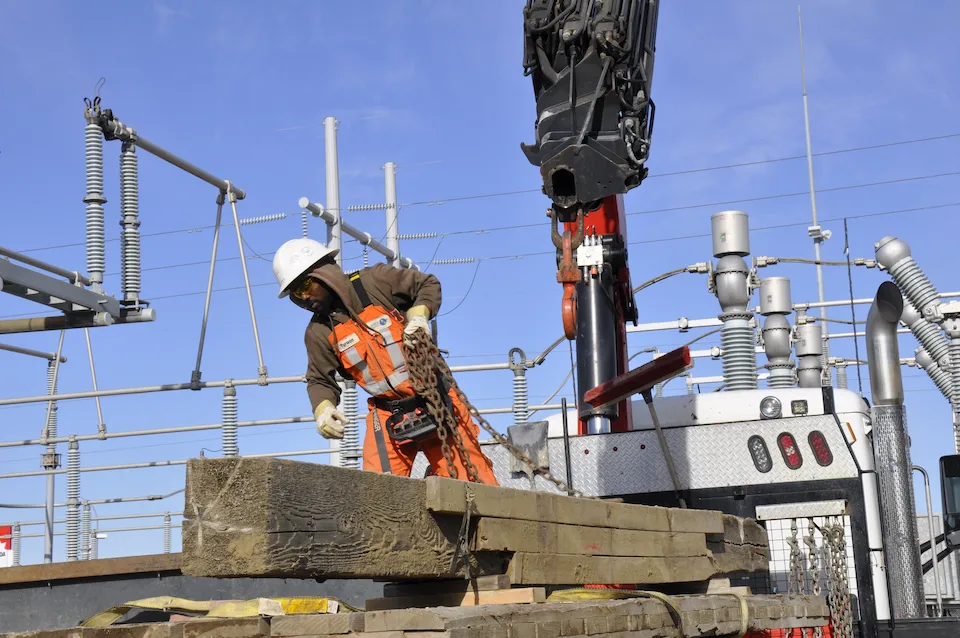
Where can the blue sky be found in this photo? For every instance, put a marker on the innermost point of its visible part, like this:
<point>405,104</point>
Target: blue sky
<point>242,88</point>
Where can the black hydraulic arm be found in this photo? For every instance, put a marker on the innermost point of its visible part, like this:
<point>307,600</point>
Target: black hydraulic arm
<point>591,62</point>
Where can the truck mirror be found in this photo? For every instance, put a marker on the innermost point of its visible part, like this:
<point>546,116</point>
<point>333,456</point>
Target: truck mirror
<point>950,491</point>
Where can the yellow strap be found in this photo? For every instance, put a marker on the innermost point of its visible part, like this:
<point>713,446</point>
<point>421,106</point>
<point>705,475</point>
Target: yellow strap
<point>744,613</point>
<point>222,609</point>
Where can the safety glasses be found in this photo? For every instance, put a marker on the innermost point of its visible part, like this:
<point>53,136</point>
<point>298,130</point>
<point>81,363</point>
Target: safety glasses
<point>301,289</point>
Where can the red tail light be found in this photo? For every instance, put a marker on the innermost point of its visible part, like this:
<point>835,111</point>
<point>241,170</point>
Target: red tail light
<point>790,450</point>
<point>821,450</point>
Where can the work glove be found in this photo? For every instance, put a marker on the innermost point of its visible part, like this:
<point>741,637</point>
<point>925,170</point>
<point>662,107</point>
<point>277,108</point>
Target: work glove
<point>417,319</point>
<point>330,421</point>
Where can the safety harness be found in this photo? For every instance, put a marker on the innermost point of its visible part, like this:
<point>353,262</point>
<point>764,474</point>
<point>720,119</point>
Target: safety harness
<point>410,422</point>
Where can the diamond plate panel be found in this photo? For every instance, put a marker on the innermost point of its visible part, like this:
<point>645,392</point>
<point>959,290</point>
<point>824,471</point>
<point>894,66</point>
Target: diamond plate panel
<point>705,456</point>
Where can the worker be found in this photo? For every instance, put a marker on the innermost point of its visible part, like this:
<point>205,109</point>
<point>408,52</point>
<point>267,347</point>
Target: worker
<point>357,327</point>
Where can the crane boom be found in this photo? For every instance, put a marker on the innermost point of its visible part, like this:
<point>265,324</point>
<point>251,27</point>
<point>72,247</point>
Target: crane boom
<point>591,62</point>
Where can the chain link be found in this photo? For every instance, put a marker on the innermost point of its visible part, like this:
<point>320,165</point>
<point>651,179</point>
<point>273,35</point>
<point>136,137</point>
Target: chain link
<point>795,579</point>
<point>813,560</point>
<point>424,362</point>
<point>838,596</point>
<point>423,377</point>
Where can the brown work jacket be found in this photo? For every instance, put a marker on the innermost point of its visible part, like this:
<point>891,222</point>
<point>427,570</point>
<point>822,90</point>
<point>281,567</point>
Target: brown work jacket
<point>391,288</point>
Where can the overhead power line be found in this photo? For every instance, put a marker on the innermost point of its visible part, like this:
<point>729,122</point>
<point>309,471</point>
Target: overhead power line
<point>918,209</point>
<point>673,173</point>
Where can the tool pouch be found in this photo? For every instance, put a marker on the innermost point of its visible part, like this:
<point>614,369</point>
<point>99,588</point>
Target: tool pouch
<point>410,420</point>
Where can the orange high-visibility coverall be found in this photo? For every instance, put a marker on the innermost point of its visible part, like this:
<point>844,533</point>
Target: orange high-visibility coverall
<point>374,359</point>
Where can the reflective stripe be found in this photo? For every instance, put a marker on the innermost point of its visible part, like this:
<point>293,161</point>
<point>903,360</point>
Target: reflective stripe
<point>383,387</point>
<point>396,356</point>
<point>366,379</point>
<point>352,355</point>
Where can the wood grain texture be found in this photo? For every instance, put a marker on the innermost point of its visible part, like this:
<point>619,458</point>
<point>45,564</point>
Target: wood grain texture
<point>271,517</point>
<point>449,496</point>
<point>499,534</point>
<point>572,569</point>
<point>90,568</point>
<point>317,624</point>
<point>702,615</point>
<point>460,599</point>
<point>740,558</point>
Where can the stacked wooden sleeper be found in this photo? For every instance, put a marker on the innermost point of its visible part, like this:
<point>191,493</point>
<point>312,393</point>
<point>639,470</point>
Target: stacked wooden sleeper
<point>686,617</point>
<point>271,517</point>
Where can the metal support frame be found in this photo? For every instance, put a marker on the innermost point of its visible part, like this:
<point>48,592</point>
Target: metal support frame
<point>114,128</point>
<point>393,212</point>
<point>50,356</point>
<point>816,233</point>
<point>62,295</point>
<point>364,238</point>
<point>332,170</point>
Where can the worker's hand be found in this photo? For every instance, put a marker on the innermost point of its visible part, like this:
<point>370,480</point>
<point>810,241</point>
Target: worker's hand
<point>417,320</point>
<point>330,421</point>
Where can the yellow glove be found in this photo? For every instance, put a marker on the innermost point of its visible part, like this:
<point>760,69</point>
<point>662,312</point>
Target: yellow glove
<point>330,421</point>
<point>417,319</point>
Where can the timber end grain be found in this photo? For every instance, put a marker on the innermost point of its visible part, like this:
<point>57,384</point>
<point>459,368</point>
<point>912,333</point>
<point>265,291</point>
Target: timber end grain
<point>275,518</point>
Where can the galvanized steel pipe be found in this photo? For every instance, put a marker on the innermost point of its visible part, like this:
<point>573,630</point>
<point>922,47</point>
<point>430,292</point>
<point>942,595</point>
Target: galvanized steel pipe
<point>891,444</point>
<point>122,132</point>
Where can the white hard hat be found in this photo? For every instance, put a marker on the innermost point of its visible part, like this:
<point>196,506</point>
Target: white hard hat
<point>296,257</point>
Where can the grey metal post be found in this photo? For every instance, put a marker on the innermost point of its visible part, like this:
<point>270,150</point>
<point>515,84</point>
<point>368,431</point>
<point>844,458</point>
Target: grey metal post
<point>15,544</point>
<point>842,381</point>
<point>775,306</point>
<point>49,459</point>
<point>195,375</point>
<point>809,348</point>
<point>85,531</point>
<point>333,185</point>
<point>130,224</point>
<point>73,499</point>
<point>731,243</point>
<point>891,443</point>
<point>952,327</point>
<point>94,545</point>
<point>393,212</point>
<point>232,198</point>
<point>166,533</point>
<point>101,426</point>
<point>94,199</point>
<point>815,232</point>
<point>933,538</point>
<point>350,446</point>
<point>521,396</point>
<point>228,424</point>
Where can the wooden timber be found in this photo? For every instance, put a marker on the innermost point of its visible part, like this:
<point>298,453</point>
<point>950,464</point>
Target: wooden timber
<point>699,617</point>
<point>461,599</point>
<point>499,534</point>
<point>160,563</point>
<point>448,496</point>
<point>261,517</point>
<point>272,517</point>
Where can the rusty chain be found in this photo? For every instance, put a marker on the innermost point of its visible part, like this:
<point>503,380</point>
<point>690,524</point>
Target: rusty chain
<point>424,362</point>
<point>423,377</point>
